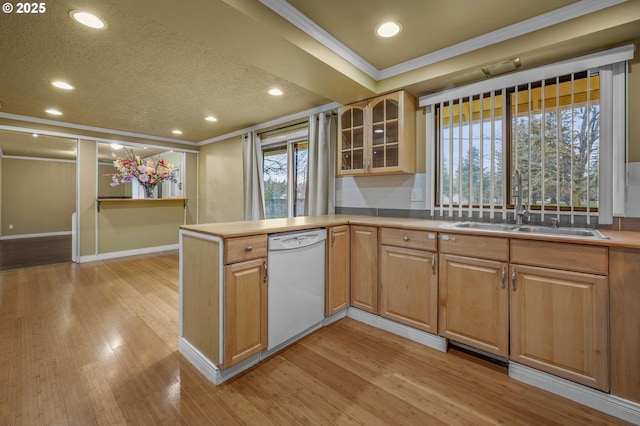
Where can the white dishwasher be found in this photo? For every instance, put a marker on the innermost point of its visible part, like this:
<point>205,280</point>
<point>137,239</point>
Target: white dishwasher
<point>295,296</point>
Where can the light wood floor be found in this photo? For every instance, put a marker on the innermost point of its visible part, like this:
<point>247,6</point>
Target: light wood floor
<point>96,344</point>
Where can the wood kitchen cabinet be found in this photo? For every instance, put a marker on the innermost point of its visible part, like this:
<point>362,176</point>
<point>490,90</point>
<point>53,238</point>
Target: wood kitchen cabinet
<point>338,269</point>
<point>237,266</point>
<point>624,323</point>
<point>474,303</point>
<point>474,296</point>
<point>364,268</point>
<point>378,136</point>
<point>245,310</point>
<point>409,278</point>
<point>245,298</point>
<point>559,318</point>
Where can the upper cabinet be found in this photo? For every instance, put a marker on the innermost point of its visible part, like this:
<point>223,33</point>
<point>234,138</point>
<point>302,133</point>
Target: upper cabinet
<point>378,136</point>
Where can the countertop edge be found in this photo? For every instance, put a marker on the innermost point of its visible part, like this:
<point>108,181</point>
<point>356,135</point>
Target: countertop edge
<point>624,239</point>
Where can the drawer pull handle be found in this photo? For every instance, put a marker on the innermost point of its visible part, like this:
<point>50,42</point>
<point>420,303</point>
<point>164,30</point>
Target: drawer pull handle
<point>405,238</point>
<point>433,263</point>
<point>447,238</point>
<point>503,275</point>
<point>264,278</point>
<point>513,278</point>
<point>249,248</point>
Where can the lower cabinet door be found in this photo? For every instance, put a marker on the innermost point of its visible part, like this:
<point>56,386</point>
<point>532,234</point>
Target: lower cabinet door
<point>474,303</point>
<point>338,270</point>
<point>559,323</point>
<point>245,310</point>
<point>409,281</point>
<point>364,268</point>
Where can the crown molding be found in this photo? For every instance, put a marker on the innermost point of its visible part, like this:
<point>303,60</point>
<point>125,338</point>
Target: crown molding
<point>566,13</point>
<point>49,122</point>
<point>272,123</point>
<point>294,16</point>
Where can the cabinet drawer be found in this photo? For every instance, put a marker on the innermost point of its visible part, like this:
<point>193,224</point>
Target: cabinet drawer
<point>245,248</point>
<point>422,240</point>
<point>570,257</point>
<point>493,248</point>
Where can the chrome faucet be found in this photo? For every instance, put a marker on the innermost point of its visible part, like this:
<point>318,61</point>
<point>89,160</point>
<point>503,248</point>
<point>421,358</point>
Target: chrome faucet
<point>520,210</point>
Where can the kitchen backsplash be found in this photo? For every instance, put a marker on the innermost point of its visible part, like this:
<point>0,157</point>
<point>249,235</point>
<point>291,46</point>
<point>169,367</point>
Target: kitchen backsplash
<point>404,196</point>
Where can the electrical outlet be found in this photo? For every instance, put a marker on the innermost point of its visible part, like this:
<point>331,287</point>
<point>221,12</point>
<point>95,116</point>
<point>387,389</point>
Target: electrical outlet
<point>10,226</point>
<point>416,195</point>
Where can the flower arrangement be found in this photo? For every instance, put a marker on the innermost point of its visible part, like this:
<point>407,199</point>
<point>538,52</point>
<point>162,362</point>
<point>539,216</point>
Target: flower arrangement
<point>148,172</point>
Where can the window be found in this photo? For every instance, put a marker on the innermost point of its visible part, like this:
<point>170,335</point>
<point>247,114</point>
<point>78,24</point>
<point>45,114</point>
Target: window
<point>548,130</point>
<point>285,178</point>
<point>555,140</point>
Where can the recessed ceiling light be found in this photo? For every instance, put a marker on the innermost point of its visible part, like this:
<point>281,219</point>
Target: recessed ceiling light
<point>52,111</point>
<point>276,92</point>
<point>176,132</point>
<point>62,85</point>
<point>211,118</point>
<point>116,146</point>
<point>35,135</point>
<point>388,29</point>
<point>87,19</point>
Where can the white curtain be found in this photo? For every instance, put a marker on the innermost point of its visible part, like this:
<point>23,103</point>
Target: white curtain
<point>320,196</point>
<point>612,163</point>
<point>252,177</point>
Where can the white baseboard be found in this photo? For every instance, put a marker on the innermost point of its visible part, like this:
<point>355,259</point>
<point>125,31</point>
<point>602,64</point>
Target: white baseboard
<point>199,361</point>
<point>610,404</point>
<point>125,253</point>
<point>427,339</point>
<point>44,234</point>
<point>335,317</point>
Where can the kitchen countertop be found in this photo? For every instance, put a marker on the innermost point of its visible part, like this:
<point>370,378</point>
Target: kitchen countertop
<point>629,239</point>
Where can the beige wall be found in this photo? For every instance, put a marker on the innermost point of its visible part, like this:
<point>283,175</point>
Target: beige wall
<point>221,186</point>
<point>37,196</point>
<point>634,109</point>
<point>87,162</point>
<point>191,188</point>
<point>104,183</point>
<point>136,224</point>
<point>1,196</point>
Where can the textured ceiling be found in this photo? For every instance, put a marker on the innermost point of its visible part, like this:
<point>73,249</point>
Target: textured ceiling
<point>427,26</point>
<point>166,64</point>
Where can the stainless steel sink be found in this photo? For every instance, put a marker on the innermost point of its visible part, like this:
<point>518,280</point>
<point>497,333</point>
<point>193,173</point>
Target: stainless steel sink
<point>504,227</point>
<point>543,230</point>
<point>565,232</point>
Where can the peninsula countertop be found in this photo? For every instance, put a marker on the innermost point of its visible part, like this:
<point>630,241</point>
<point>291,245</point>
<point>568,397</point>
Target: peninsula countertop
<point>629,239</point>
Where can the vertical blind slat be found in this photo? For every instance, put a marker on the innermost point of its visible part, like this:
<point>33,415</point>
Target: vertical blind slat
<point>558,125</point>
<point>571,188</point>
<point>493,157</point>
<point>450,158</point>
<point>460,159</point>
<point>481,159</point>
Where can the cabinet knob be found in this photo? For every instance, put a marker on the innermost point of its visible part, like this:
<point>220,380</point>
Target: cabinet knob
<point>406,238</point>
<point>249,248</point>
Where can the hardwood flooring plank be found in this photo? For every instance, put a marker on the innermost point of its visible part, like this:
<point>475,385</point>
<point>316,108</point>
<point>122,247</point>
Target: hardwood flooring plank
<point>96,343</point>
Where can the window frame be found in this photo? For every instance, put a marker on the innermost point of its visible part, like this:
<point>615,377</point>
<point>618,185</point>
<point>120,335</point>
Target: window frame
<point>289,142</point>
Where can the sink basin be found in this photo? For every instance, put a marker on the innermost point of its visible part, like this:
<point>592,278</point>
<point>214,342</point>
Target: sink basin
<point>566,232</point>
<point>483,226</point>
<point>543,230</point>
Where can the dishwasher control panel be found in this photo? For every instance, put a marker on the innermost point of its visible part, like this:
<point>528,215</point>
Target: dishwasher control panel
<point>288,241</point>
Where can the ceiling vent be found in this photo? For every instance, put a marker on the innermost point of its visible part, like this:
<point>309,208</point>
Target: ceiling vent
<point>502,67</point>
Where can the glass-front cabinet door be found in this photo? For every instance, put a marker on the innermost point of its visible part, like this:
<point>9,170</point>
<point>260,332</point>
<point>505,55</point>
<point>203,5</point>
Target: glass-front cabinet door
<point>352,144</point>
<point>378,136</point>
<point>384,126</point>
